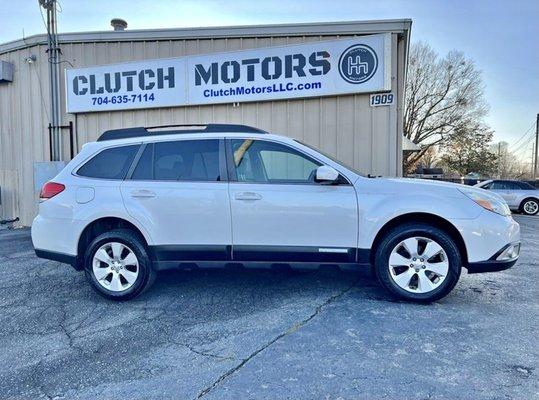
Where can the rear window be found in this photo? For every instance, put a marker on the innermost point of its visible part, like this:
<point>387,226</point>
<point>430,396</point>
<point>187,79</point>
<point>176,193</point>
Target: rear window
<point>183,160</point>
<point>110,163</point>
<point>525,186</point>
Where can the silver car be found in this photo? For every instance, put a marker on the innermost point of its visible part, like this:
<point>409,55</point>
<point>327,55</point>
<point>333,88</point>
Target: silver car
<point>520,196</point>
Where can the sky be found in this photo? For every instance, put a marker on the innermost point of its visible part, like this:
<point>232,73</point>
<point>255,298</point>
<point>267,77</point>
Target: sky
<point>502,37</point>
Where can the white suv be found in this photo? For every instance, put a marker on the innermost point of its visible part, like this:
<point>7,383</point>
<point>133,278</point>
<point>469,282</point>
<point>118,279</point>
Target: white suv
<point>143,199</point>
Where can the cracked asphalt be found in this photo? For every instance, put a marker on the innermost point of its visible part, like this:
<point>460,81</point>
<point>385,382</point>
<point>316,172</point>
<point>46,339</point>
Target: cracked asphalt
<point>265,334</point>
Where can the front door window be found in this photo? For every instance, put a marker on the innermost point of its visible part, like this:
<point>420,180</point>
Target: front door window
<point>260,161</point>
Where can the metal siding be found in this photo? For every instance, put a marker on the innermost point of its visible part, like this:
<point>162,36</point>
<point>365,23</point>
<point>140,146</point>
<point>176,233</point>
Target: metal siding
<point>23,131</point>
<point>344,126</point>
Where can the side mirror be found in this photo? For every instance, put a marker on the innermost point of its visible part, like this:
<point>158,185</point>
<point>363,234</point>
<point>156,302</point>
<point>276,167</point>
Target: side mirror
<point>326,175</point>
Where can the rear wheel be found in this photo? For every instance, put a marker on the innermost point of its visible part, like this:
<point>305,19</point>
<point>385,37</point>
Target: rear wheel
<point>418,262</point>
<point>530,206</point>
<point>117,265</point>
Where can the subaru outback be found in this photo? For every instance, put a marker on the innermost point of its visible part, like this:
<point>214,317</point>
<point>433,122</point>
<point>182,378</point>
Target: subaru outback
<point>139,200</point>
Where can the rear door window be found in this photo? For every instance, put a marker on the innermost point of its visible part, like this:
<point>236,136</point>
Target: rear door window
<point>182,160</point>
<point>512,186</point>
<point>110,163</point>
<point>499,185</point>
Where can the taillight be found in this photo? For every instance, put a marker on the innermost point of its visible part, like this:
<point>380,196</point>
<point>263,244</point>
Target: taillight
<point>50,189</point>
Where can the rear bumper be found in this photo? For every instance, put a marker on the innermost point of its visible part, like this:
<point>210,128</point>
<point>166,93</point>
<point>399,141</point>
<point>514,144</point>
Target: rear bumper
<point>60,257</point>
<point>56,234</point>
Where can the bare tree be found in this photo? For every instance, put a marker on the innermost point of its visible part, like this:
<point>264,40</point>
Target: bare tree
<point>443,95</point>
<point>508,164</point>
<point>430,157</point>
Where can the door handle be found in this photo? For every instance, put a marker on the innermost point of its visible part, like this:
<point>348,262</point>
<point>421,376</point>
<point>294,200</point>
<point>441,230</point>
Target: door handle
<point>247,196</point>
<point>142,193</point>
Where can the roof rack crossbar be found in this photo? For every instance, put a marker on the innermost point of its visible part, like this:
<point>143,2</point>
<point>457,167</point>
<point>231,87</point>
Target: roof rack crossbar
<point>140,131</point>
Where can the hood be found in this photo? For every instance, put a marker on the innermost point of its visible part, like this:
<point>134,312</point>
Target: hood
<point>418,186</point>
<point>424,182</point>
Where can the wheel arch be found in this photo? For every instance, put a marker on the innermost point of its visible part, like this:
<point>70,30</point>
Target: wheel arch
<point>99,226</point>
<point>426,218</point>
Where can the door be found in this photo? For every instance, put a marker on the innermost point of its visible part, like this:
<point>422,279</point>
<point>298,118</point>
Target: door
<point>508,190</point>
<point>279,212</point>
<point>178,191</point>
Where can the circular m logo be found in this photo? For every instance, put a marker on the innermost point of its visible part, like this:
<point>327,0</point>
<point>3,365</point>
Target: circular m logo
<point>358,63</point>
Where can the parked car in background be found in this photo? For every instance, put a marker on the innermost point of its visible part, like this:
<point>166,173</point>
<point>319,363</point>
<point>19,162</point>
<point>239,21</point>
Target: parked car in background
<point>143,199</point>
<point>520,196</point>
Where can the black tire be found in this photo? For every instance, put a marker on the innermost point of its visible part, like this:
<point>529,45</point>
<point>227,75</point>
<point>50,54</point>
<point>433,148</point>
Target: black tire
<point>405,231</point>
<point>523,210</point>
<point>146,273</point>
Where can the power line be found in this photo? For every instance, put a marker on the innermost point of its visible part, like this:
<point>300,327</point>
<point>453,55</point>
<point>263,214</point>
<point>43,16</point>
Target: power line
<point>524,145</point>
<point>522,137</point>
<point>49,35</point>
<point>43,19</point>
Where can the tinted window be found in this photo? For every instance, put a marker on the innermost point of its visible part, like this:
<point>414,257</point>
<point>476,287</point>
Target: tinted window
<point>505,185</point>
<point>525,186</point>
<point>513,186</point>
<point>184,160</point>
<point>498,185</point>
<point>262,161</point>
<point>487,186</point>
<point>110,163</point>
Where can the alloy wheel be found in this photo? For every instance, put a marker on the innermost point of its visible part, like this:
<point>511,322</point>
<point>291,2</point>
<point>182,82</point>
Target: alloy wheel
<point>418,265</point>
<point>115,266</point>
<point>531,207</point>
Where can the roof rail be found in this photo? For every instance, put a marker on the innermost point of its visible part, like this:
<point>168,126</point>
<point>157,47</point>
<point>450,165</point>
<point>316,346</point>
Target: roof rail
<point>126,133</point>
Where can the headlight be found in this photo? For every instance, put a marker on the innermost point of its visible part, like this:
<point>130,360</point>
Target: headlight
<point>488,201</point>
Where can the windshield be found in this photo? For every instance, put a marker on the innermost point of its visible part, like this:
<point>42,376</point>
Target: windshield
<point>332,158</point>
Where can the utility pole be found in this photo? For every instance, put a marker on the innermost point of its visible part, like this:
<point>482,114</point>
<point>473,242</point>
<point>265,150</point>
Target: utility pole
<point>499,160</point>
<point>535,163</point>
<point>532,164</point>
<point>53,56</point>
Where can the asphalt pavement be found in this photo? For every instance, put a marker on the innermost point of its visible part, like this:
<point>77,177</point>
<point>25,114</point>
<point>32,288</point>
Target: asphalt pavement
<point>265,334</point>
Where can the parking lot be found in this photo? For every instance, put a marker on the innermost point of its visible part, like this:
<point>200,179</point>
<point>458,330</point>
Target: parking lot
<point>265,334</point>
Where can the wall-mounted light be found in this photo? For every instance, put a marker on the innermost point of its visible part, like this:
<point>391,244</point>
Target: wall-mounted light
<point>30,59</point>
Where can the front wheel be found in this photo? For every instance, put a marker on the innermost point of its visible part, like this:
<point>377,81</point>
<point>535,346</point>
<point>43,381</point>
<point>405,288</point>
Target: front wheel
<point>418,262</point>
<point>117,265</point>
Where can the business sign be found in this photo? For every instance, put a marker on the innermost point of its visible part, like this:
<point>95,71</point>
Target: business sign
<point>357,65</point>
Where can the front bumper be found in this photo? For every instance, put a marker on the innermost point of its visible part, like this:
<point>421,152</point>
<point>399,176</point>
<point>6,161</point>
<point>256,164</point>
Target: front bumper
<point>498,262</point>
<point>486,235</point>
